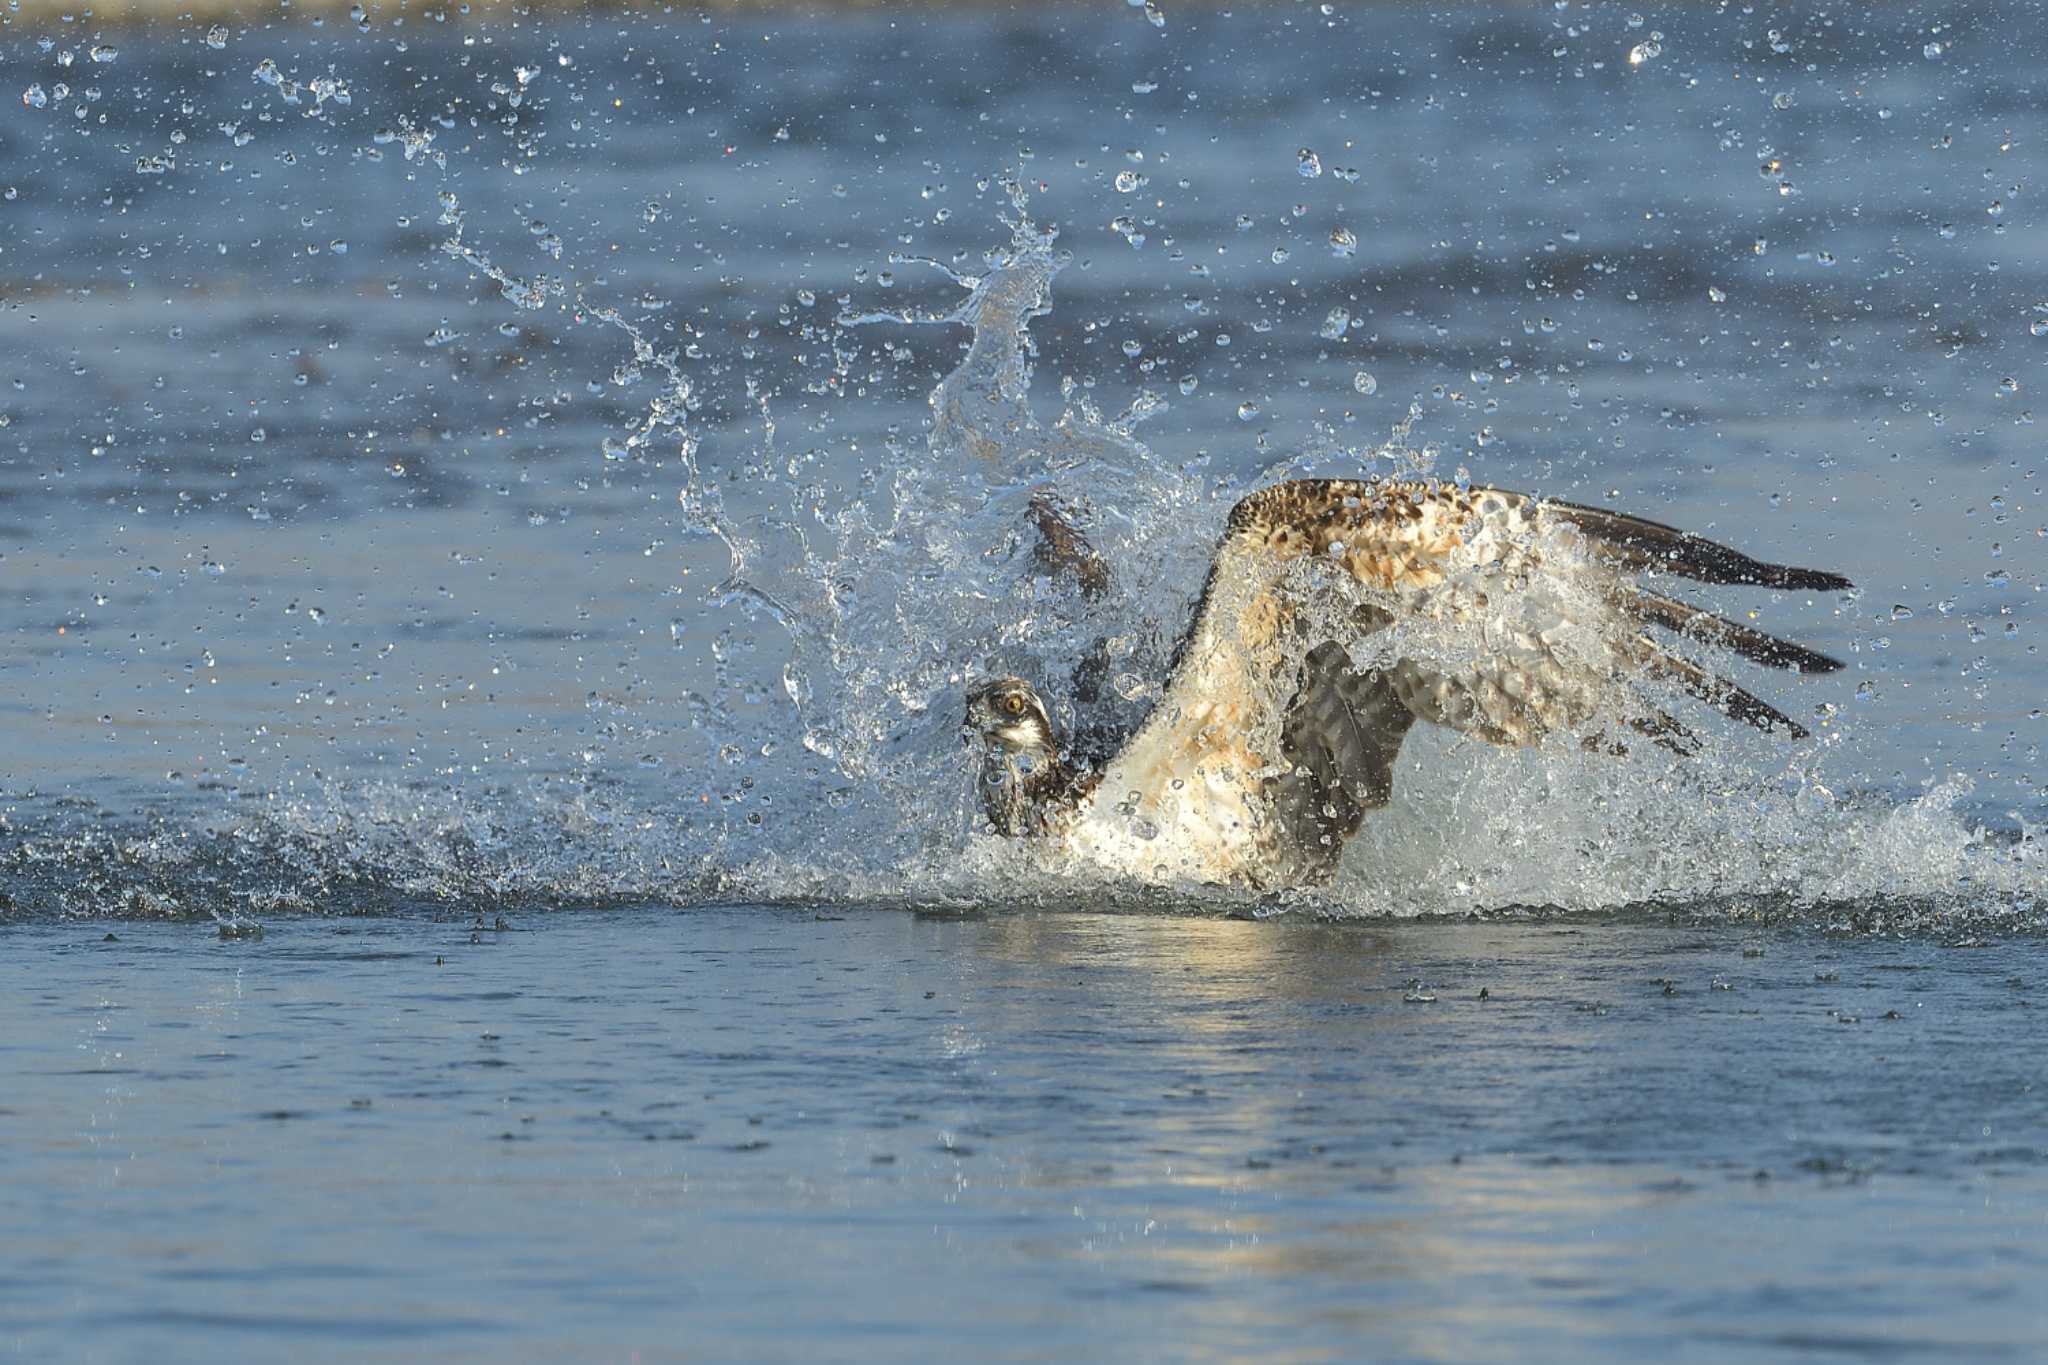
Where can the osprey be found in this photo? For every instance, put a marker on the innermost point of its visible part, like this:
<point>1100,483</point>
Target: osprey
<point>1335,615</point>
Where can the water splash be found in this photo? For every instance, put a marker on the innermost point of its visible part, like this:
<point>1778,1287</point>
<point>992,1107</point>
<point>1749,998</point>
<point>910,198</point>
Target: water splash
<point>823,761</point>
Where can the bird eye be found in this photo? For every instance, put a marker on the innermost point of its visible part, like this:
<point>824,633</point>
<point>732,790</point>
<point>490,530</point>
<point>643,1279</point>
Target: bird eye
<point>1014,704</point>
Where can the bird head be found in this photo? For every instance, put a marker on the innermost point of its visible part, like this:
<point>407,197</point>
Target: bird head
<point>1009,717</point>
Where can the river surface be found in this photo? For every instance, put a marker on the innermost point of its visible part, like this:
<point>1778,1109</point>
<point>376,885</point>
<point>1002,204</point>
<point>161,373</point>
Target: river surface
<point>564,472</point>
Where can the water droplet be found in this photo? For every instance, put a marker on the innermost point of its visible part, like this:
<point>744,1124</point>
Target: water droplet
<point>103,52</point>
<point>1308,164</point>
<point>1784,99</point>
<point>1365,383</point>
<point>217,37</point>
<point>1280,254</point>
<point>2007,387</point>
<point>1932,52</point>
<point>2038,327</point>
<point>1715,294</point>
<point>1247,410</point>
<point>1335,324</point>
<point>1189,384</point>
<point>1645,52</point>
<point>34,97</point>
<point>1343,241</point>
<point>1901,612</point>
<point>1948,232</point>
<point>1128,182</point>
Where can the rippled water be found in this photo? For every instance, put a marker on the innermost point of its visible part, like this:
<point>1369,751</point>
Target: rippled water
<point>562,468</point>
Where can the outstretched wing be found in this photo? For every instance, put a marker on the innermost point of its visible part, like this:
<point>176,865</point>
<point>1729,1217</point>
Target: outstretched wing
<point>1551,615</point>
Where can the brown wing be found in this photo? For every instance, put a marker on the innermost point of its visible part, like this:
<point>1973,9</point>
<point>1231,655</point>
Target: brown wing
<point>1339,739</point>
<point>1397,539</point>
<point>1265,675</point>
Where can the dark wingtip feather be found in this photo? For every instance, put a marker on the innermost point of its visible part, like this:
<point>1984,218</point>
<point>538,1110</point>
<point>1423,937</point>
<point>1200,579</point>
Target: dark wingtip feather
<point>1063,550</point>
<point>1809,580</point>
<point>1722,694</point>
<point>1699,624</point>
<point>1646,544</point>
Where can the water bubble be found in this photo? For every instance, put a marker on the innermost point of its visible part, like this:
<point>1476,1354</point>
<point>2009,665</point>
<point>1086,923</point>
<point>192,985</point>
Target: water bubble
<point>1134,348</point>
<point>1280,255</point>
<point>217,37</point>
<point>34,97</point>
<point>1932,52</point>
<point>1997,208</point>
<point>2038,327</point>
<point>1343,241</point>
<point>1901,612</point>
<point>1308,164</point>
<point>2007,387</point>
<point>1782,100</point>
<point>1154,15</point>
<point>1715,294</point>
<point>1188,384</point>
<point>1646,52</point>
<point>1335,324</point>
<point>103,52</point>
<point>1247,410</point>
<point>1365,383</point>
<point>1128,182</point>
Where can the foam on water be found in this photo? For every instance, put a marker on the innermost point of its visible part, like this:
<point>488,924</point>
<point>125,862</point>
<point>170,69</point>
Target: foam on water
<point>825,762</point>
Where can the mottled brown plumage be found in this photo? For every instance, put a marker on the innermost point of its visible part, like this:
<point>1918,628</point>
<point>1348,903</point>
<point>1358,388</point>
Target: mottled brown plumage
<point>1282,717</point>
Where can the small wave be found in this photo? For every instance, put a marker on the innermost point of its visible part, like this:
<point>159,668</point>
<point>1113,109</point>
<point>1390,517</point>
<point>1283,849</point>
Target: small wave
<point>831,769</point>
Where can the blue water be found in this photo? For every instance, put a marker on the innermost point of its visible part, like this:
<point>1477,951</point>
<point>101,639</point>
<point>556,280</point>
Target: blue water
<point>757,1131</point>
<point>573,477</point>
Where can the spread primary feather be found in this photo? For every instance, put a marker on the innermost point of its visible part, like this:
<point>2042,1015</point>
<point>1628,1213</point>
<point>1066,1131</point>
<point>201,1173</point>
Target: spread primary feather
<point>1286,706</point>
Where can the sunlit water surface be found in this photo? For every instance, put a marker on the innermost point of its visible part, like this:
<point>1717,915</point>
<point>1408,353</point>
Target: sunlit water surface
<point>744,1131</point>
<point>568,470</point>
